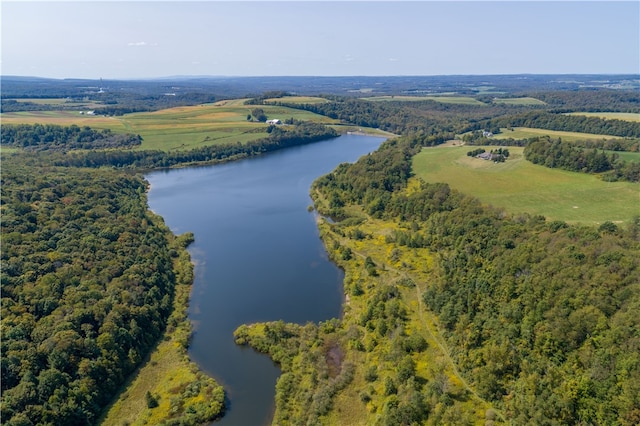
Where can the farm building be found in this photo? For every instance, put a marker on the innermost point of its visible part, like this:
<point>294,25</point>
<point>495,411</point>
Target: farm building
<point>274,121</point>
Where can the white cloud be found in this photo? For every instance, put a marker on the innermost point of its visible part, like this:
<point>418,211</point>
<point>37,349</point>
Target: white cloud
<point>137,43</point>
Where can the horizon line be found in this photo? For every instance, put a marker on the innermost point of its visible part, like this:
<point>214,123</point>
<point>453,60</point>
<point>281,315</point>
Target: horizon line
<point>182,76</point>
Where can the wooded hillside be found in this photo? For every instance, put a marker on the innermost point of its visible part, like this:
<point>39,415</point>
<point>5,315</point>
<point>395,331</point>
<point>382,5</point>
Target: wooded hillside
<point>87,287</point>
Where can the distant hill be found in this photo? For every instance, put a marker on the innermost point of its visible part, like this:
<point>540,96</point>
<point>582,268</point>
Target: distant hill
<point>229,86</point>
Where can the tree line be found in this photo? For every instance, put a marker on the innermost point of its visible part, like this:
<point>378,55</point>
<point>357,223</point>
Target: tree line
<point>590,100</point>
<point>50,137</point>
<point>567,123</point>
<point>557,154</point>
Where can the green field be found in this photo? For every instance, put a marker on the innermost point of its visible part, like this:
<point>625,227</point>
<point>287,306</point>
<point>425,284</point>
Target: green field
<point>60,102</point>
<point>298,100</point>
<point>626,156</point>
<point>464,100</point>
<point>520,186</point>
<point>177,128</point>
<point>519,101</point>
<point>625,116</point>
<point>42,101</point>
<point>529,132</point>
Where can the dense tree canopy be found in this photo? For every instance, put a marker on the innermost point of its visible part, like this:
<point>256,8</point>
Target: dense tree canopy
<point>87,285</point>
<point>49,137</point>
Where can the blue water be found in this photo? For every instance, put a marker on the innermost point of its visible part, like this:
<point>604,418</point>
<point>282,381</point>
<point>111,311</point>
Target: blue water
<point>258,257</point>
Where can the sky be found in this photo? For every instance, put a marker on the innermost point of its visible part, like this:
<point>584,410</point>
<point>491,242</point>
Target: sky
<point>148,39</point>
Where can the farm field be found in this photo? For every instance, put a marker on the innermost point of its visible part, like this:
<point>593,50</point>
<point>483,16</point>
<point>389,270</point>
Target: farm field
<point>298,100</point>
<point>59,101</point>
<point>42,101</point>
<point>625,116</point>
<point>520,186</point>
<point>519,101</point>
<point>177,128</point>
<point>626,156</point>
<point>465,100</point>
<point>529,132</point>
<point>63,118</point>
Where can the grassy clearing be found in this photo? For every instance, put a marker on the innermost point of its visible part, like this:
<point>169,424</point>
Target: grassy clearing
<point>60,101</point>
<point>347,128</point>
<point>465,100</point>
<point>50,101</point>
<point>626,156</point>
<point>63,118</point>
<point>625,116</point>
<point>299,100</point>
<point>519,101</point>
<point>529,132</point>
<point>180,128</point>
<point>131,404</point>
<point>520,186</point>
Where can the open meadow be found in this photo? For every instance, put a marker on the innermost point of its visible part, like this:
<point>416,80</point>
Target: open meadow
<point>298,100</point>
<point>519,186</point>
<point>625,116</point>
<point>177,128</point>
<point>518,101</point>
<point>463,100</point>
<point>530,132</point>
<point>626,155</point>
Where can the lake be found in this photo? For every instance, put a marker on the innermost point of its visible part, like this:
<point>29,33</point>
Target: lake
<point>258,257</point>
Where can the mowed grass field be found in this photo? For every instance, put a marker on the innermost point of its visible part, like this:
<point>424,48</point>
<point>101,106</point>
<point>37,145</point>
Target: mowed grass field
<point>626,156</point>
<point>625,116</point>
<point>60,101</point>
<point>177,128</point>
<point>519,101</point>
<point>465,100</point>
<point>519,186</point>
<point>529,132</point>
<point>298,100</point>
<point>42,101</point>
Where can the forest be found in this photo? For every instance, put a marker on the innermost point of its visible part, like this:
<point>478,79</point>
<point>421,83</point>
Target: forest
<point>538,317</point>
<point>87,284</point>
<point>49,137</point>
<point>87,288</point>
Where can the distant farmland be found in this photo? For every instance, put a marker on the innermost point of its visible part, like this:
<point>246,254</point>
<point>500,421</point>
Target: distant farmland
<point>519,101</point>
<point>529,132</point>
<point>625,116</point>
<point>178,128</point>
<point>464,100</point>
<point>519,186</point>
